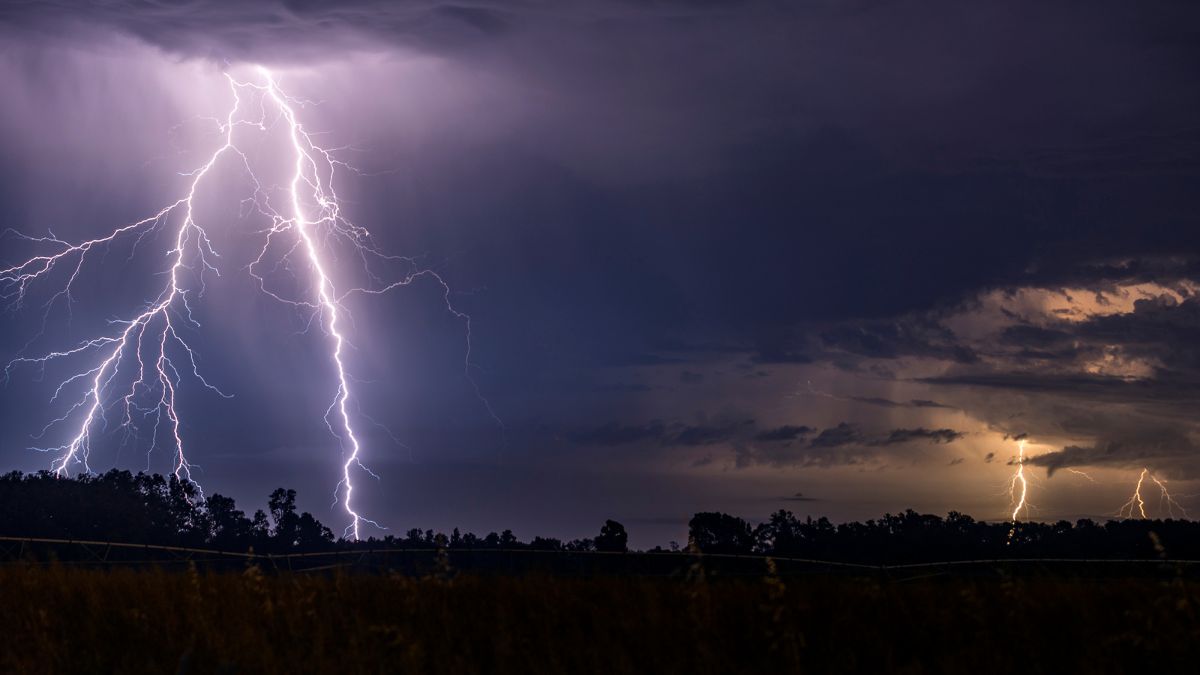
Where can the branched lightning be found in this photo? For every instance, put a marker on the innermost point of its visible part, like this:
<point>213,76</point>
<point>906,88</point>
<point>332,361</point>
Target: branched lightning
<point>1018,490</point>
<point>1165,500</point>
<point>150,344</point>
<point>1084,474</point>
<point>1137,503</point>
<point>1018,485</point>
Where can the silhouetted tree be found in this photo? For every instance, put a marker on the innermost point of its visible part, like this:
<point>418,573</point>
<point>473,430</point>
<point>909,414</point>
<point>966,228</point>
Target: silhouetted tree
<point>145,508</point>
<point>781,535</point>
<point>310,533</point>
<point>152,509</point>
<point>720,533</point>
<point>508,539</point>
<point>613,537</point>
<point>545,544</point>
<point>414,538</point>
<point>282,505</point>
<point>580,545</point>
<point>229,526</point>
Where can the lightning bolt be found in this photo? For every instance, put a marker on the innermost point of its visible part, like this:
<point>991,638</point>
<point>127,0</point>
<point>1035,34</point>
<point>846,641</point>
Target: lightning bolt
<point>1136,501</point>
<point>1165,499</point>
<point>1018,490</point>
<point>1018,485</point>
<point>1086,475</point>
<point>151,343</point>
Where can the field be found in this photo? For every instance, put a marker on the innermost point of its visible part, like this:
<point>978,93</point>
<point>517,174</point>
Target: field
<point>59,619</point>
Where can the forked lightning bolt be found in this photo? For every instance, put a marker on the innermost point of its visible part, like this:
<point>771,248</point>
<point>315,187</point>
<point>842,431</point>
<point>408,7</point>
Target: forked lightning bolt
<point>1086,476</point>
<point>1018,486</point>
<point>1018,490</point>
<point>1136,506</point>
<point>150,344</point>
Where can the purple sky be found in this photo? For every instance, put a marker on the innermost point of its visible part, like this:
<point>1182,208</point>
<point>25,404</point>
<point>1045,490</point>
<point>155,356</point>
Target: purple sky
<point>824,256</point>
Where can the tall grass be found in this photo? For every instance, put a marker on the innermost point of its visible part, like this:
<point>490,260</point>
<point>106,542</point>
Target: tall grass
<point>61,619</point>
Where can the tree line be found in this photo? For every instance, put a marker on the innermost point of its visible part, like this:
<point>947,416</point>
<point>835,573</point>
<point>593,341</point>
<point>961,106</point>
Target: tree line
<point>142,508</point>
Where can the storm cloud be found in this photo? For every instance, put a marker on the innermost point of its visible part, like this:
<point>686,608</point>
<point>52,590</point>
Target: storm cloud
<point>794,237</point>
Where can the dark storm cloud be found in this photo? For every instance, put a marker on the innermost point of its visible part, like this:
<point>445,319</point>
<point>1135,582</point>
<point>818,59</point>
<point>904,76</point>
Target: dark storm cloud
<point>1136,420</point>
<point>644,188</point>
<point>889,403</point>
<point>923,403</point>
<point>836,437</point>
<point>1035,336</point>
<point>1160,330</point>
<point>874,400</point>
<point>1155,265</point>
<point>787,113</point>
<point>1082,386</point>
<point>846,434</point>
<point>1160,327</point>
<point>231,29</point>
<point>786,456</point>
<point>784,433</point>
<point>675,434</point>
<point>898,338</point>
<point>842,445</point>
<point>622,388</point>
<point>1161,449</point>
<point>1163,153</point>
<point>899,436</point>
<point>615,434</point>
<point>742,433</point>
<point>776,354</point>
<point>707,435</point>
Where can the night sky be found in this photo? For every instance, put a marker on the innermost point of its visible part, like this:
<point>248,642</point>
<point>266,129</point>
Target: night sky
<point>833,257</point>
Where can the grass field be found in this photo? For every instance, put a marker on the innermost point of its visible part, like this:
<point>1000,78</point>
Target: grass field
<point>62,619</point>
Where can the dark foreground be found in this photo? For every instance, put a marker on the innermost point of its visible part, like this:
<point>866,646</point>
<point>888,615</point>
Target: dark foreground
<point>62,619</point>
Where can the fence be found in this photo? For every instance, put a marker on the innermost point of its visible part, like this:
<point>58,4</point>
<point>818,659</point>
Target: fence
<point>73,552</point>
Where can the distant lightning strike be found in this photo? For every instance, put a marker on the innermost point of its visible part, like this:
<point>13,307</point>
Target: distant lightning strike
<point>1018,491</point>
<point>1085,475</point>
<point>1166,500</point>
<point>1137,503</point>
<point>1018,486</point>
<point>147,342</point>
